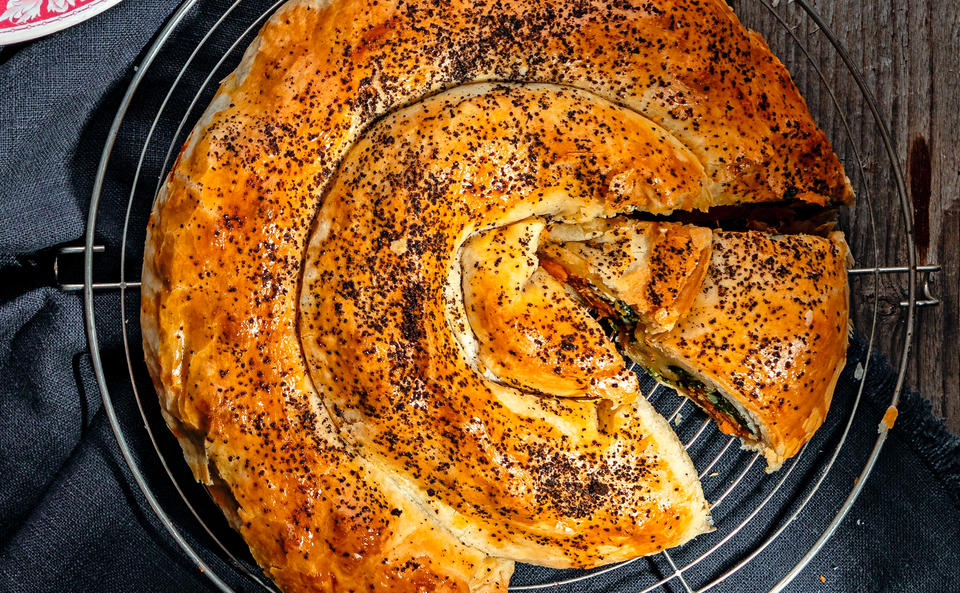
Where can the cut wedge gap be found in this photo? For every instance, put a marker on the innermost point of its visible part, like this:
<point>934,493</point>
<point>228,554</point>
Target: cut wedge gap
<point>787,217</point>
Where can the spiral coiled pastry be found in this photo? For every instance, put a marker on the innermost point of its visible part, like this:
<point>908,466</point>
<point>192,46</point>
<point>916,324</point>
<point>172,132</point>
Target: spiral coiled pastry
<point>344,309</point>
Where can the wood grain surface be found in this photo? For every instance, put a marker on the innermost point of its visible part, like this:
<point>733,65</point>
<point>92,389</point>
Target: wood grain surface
<point>908,53</point>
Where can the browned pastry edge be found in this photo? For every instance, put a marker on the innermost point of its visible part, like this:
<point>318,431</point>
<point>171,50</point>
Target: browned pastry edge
<point>768,332</point>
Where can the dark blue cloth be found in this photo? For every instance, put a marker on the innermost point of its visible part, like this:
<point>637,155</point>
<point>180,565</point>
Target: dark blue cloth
<point>71,518</point>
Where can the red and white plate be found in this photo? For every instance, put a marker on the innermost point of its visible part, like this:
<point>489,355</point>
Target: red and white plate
<point>21,20</point>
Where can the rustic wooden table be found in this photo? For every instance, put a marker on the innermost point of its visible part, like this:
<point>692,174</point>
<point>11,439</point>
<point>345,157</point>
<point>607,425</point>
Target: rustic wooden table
<point>908,53</point>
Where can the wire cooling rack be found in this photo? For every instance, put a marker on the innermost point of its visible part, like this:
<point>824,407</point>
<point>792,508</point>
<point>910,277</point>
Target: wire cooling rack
<point>790,513</point>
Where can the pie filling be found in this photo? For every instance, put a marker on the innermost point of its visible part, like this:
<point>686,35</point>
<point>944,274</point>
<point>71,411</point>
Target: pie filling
<point>616,317</point>
<point>711,399</point>
<point>621,323</point>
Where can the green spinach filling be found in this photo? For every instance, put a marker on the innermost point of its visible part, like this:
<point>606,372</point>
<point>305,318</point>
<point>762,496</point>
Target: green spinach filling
<point>690,383</point>
<point>616,317</point>
<point>619,321</point>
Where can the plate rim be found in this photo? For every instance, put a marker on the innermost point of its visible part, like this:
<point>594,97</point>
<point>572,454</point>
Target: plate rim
<point>40,28</point>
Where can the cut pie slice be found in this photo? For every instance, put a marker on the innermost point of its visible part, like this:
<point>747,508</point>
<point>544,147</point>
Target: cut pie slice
<point>761,342</point>
<point>629,271</point>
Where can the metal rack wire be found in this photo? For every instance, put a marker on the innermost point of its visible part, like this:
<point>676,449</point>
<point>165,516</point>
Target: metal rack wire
<point>752,509</point>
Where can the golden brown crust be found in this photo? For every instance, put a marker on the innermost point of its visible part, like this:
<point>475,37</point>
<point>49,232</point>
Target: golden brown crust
<point>769,328</point>
<point>654,268</point>
<point>538,479</point>
<point>315,516</point>
<point>228,233</point>
<point>530,333</point>
<point>761,318</point>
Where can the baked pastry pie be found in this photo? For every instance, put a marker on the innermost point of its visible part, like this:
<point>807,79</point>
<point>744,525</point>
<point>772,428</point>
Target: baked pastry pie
<point>757,337</point>
<point>352,320</point>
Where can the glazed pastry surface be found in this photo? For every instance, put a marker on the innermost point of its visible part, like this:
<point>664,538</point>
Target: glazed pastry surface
<point>515,472</point>
<point>655,269</point>
<point>755,318</point>
<point>324,500</point>
<point>769,330</point>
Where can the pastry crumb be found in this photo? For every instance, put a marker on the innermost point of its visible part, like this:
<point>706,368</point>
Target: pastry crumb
<point>890,417</point>
<point>858,372</point>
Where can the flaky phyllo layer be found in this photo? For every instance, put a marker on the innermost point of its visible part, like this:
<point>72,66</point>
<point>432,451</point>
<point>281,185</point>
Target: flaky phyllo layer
<point>389,279</point>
